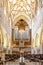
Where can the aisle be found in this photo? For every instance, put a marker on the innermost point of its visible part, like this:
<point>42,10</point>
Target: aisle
<point>26,63</point>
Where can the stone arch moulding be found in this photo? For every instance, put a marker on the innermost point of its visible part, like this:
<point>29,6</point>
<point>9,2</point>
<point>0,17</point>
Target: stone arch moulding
<point>24,17</point>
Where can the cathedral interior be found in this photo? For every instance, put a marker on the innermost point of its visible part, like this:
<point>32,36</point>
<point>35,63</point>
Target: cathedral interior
<point>21,32</point>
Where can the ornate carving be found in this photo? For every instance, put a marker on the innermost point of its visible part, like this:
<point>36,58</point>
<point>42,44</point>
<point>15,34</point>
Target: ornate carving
<point>22,6</point>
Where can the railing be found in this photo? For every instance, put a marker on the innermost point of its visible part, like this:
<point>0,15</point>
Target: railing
<point>25,49</point>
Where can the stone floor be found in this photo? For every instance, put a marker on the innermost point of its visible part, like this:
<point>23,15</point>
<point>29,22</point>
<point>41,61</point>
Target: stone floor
<point>26,63</point>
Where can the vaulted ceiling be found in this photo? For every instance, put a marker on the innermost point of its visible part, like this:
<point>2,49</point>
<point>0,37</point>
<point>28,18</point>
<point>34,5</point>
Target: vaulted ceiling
<point>10,9</point>
<point>14,7</point>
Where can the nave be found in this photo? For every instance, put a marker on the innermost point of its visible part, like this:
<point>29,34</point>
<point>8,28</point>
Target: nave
<point>26,63</point>
<point>21,32</point>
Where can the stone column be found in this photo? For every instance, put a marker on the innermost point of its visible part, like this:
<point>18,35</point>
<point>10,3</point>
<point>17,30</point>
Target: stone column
<point>3,58</point>
<point>1,40</point>
<point>42,38</point>
<point>30,36</point>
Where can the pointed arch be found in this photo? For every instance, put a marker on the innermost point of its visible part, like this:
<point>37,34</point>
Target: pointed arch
<point>19,17</point>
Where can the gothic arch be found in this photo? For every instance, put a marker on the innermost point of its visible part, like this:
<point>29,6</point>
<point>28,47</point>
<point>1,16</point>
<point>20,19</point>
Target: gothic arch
<point>24,17</point>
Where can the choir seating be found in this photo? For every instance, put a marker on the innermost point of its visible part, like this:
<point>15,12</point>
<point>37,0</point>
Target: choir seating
<point>35,58</point>
<point>31,58</point>
<point>11,57</point>
<point>1,63</point>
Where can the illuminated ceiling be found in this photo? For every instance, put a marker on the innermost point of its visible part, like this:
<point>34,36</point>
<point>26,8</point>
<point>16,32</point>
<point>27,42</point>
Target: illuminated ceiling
<point>14,7</point>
